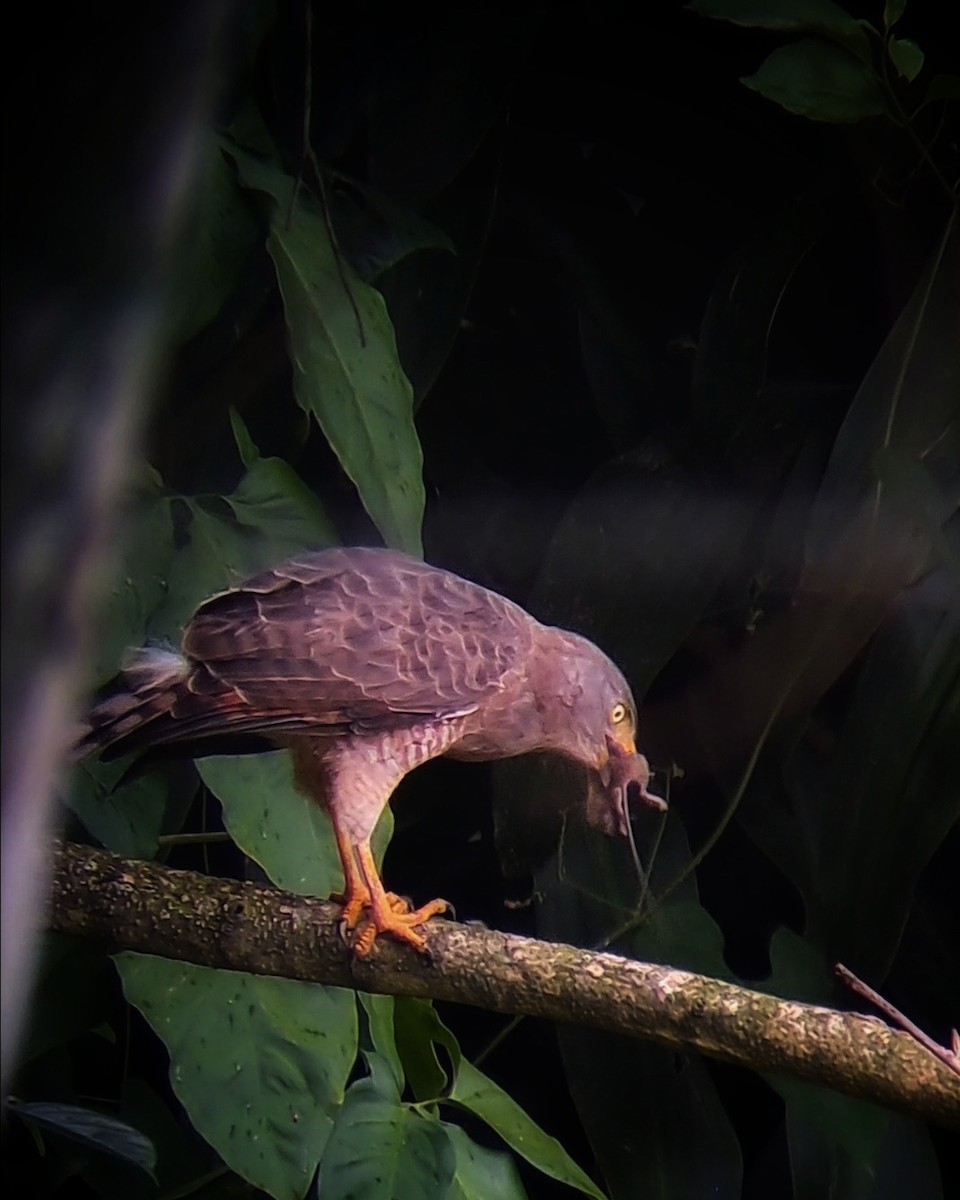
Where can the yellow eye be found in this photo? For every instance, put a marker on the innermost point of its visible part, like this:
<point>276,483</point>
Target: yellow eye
<point>618,713</point>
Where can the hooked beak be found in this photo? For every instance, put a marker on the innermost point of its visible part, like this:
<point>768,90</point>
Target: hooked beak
<point>614,747</point>
<point>622,740</point>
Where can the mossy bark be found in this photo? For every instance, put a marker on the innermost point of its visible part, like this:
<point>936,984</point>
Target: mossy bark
<point>142,906</point>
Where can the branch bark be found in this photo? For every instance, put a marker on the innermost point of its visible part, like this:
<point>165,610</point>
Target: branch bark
<point>142,906</point>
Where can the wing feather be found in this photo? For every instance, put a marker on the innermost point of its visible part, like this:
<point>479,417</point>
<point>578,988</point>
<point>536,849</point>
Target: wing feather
<point>349,635</point>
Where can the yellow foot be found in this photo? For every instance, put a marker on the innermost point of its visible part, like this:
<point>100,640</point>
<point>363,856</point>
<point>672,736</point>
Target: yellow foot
<point>358,902</point>
<point>394,919</point>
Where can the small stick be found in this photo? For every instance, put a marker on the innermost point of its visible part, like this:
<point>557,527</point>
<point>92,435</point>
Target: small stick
<point>948,1056</point>
<point>193,839</point>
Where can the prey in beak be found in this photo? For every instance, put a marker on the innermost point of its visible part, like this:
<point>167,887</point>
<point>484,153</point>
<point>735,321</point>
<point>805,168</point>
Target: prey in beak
<point>622,775</point>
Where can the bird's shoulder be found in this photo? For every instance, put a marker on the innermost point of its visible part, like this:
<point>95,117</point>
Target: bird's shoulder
<point>362,582</point>
<point>361,620</point>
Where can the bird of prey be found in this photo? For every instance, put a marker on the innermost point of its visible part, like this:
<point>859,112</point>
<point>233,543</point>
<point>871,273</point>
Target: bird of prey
<point>365,663</point>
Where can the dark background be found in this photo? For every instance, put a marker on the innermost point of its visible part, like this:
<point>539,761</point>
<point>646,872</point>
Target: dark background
<point>629,380</point>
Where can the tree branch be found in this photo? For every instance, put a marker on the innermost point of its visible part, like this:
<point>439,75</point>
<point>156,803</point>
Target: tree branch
<point>244,927</point>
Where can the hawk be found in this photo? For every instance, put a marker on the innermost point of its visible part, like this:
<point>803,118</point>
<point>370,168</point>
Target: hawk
<point>365,663</point>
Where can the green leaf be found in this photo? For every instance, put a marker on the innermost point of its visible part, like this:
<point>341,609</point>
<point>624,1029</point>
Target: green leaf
<point>260,1064</point>
<point>126,817</point>
<point>94,1130</point>
<point>418,1033</point>
<point>481,1174</point>
<point>943,88</point>
<point>798,16</point>
<point>419,1029</point>
<point>819,80</point>
<point>273,498</point>
<point>271,515</point>
<point>214,555</point>
<point>906,56</point>
<point>473,1091</point>
<point>219,242</point>
<point>381,1149</point>
<point>380,1015</point>
<point>138,586</point>
<point>893,10</point>
<point>247,448</point>
<point>278,825</point>
<point>681,933</point>
<point>382,1079</point>
<point>346,369</point>
<point>799,969</point>
<point>274,822</point>
<point>844,1147</point>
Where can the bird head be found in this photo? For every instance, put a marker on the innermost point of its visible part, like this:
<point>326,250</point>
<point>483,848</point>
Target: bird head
<point>598,729</point>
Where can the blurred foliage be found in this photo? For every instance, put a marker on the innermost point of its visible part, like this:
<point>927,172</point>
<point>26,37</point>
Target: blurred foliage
<point>551,294</point>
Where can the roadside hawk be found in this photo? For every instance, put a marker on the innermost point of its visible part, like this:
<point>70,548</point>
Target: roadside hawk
<point>365,663</point>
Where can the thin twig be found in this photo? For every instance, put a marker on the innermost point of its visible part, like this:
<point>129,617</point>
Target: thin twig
<point>902,120</point>
<point>497,1040</point>
<point>949,1057</point>
<point>637,918</point>
<point>307,105</point>
<point>193,839</point>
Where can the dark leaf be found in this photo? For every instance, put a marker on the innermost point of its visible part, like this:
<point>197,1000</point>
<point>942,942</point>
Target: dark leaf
<point>730,368</point>
<point>481,1096</point>
<point>906,56</point>
<point>346,370</point>
<point>819,80</point>
<point>95,1130</point>
<point>644,1108</point>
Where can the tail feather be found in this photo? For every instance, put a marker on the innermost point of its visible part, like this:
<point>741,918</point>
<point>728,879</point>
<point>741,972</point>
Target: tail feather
<point>130,713</point>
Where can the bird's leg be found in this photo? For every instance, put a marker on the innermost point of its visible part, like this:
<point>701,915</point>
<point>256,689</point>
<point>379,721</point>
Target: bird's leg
<point>354,780</point>
<point>356,896</point>
<point>384,914</point>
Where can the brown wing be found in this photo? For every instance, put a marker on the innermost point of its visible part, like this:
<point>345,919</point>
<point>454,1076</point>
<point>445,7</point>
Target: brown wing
<point>350,636</point>
<point>325,642</point>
